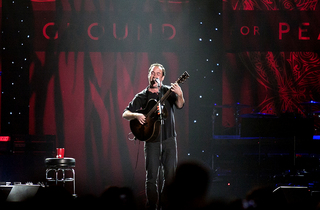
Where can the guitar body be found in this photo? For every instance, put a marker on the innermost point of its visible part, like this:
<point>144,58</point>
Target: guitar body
<point>151,129</point>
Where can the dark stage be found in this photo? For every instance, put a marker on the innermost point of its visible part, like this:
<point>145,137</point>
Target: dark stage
<point>69,69</point>
<point>237,165</point>
<point>243,163</point>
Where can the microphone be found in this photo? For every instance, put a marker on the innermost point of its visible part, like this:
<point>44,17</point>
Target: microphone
<point>158,81</point>
<point>154,81</point>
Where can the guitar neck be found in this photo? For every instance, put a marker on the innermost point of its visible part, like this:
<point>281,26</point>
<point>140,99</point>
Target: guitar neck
<point>163,98</point>
<point>182,78</point>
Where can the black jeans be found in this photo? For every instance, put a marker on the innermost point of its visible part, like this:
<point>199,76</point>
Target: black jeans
<point>169,162</point>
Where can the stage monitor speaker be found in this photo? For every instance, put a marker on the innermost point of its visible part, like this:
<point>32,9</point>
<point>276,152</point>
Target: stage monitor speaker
<point>291,195</point>
<point>4,192</point>
<point>18,193</point>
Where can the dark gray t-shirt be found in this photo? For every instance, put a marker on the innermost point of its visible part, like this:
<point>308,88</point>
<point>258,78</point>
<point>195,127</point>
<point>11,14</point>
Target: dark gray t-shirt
<point>140,102</point>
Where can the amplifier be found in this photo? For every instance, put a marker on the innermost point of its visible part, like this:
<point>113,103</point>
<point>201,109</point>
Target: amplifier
<point>18,192</point>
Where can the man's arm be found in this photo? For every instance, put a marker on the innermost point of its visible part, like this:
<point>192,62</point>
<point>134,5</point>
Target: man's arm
<point>180,99</point>
<point>128,115</point>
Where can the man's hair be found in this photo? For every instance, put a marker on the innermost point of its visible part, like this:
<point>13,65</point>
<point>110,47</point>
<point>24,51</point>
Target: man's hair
<point>160,66</point>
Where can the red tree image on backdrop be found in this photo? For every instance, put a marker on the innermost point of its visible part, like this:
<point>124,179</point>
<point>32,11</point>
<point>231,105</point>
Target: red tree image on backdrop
<point>275,68</point>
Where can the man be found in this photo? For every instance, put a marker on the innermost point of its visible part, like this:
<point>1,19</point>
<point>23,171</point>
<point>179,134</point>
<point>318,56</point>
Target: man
<point>152,148</point>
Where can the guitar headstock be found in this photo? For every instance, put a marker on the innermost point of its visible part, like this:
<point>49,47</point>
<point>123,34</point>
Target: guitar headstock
<point>183,77</point>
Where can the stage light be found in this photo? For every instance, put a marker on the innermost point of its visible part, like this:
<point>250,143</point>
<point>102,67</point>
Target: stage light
<point>4,138</point>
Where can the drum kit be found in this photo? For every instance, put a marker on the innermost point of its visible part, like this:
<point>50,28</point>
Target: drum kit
<point>311,109</point>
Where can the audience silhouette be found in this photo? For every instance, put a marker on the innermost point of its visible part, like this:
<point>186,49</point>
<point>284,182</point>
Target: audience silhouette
<point>188,190</point>
<point>189,187</point>
<point>118,198</point>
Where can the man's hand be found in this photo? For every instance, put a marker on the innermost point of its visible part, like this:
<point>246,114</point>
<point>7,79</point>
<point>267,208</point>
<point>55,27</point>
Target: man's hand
<point>134,115</point>
<point>140,117</point>
<point>176,89</point>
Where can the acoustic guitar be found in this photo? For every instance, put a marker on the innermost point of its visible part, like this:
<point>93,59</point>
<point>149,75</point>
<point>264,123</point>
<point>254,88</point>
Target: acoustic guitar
<point>150,130</point>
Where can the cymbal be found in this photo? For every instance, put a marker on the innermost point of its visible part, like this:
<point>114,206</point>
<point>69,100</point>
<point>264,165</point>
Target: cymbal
<point>310,103</point>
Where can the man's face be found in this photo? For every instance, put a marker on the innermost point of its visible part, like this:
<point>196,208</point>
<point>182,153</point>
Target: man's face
<point>156,72</point>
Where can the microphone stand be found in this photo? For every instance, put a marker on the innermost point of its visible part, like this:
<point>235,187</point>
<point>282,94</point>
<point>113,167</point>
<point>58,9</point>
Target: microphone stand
<point>160,148</point>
